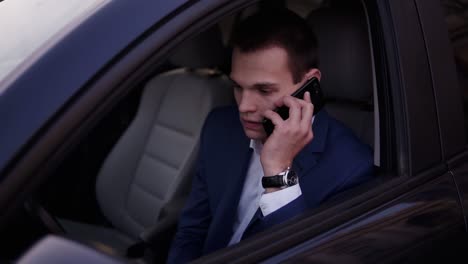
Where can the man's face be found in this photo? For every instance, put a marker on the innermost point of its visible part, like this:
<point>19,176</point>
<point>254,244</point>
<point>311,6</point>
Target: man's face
<point>261,78</point>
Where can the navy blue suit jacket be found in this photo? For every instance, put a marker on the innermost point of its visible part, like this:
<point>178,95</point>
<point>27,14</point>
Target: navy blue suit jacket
<point>333,161</point>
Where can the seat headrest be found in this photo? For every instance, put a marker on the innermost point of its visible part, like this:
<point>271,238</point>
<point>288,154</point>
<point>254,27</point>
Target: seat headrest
<point>344,51</point>
<point>205,50</point>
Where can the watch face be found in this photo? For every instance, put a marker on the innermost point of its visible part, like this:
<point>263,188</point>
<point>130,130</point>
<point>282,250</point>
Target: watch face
<point>292,179</point>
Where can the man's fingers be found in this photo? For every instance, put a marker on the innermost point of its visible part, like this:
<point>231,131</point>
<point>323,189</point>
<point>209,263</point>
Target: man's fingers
<point>280,101</point>
<point>295,111</point>
<point>300,111</point>
<point>273,116</point>
<point>307,97</point>
<point>307,106</point>
<point>307,113</point>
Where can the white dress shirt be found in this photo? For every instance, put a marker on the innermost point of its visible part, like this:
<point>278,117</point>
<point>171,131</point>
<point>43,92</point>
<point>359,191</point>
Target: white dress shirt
<point>253,195</point>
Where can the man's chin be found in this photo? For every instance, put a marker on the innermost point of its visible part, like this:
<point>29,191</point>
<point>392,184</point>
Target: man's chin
<point>255,134</point>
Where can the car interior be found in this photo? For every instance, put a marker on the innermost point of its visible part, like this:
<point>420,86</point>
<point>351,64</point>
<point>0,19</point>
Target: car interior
<point>162,141</point>
<point>128,179</point>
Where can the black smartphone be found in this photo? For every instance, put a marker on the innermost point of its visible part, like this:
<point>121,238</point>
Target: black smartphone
<point>316,96</point>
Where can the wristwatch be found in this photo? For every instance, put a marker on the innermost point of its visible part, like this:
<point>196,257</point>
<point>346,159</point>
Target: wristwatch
<point>282,180</point>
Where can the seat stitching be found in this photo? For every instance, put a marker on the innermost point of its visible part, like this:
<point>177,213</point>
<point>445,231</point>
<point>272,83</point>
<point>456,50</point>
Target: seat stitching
<point>170,85</point>
<point>171,128</point>
<point>155,157</point>
<point>149,192</point>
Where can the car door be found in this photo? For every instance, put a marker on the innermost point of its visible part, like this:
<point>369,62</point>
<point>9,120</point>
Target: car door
<point>411,209</point>
<point>452,85</point>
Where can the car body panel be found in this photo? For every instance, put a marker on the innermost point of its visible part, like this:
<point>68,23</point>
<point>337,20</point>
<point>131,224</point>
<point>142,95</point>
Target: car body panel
<point>40,92</point>
<point>405,230</point>
<point>444,77</point>
<point>459,169</point>
<point>27,42</point>
<point>416,89</point>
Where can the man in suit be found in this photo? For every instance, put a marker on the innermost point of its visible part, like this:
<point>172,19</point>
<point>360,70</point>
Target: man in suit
<point>245,180</point>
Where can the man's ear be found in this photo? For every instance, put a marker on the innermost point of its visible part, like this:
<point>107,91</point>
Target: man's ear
<point>314,72</point>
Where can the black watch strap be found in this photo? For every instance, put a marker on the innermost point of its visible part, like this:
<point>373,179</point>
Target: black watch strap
<point>284,179</point>
<point>273,181</point>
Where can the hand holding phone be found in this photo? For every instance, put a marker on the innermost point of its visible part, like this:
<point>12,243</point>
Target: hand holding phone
<point>313,87</point>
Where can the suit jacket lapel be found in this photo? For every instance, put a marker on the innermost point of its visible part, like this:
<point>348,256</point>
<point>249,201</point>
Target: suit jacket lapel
<point>307,158</point>
<point>319,183</point>
<point>223,219</point>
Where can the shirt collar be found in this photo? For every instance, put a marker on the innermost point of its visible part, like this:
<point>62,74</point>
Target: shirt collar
<point>256,145</point>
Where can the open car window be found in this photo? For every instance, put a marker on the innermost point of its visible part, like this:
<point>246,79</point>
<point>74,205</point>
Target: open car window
<point>139,188</point>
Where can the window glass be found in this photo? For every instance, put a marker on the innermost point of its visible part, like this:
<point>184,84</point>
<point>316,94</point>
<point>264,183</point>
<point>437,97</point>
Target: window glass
<point>456,12</point>
<point>26,25</point>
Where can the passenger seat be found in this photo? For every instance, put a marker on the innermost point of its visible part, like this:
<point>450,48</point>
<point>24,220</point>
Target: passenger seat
<point>151,165</point>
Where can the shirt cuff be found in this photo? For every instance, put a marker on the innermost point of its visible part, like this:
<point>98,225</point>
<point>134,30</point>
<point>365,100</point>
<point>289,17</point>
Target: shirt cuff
<point>270,202</point>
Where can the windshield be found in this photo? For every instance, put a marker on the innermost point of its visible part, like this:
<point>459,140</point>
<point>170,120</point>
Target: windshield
<point>29,26</point>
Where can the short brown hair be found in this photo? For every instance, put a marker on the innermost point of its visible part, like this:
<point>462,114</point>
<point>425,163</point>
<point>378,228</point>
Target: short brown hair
<point>282,28</point>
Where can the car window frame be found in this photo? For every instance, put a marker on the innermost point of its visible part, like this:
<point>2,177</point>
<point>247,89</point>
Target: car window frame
<point>448,89</point>
<point>444,76</point>
<point>405,166</point>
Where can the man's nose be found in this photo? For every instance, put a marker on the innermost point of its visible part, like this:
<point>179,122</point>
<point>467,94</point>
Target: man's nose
<point>246,103</point>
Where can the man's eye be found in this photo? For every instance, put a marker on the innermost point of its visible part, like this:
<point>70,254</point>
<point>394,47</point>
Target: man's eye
<point>264,91</point>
